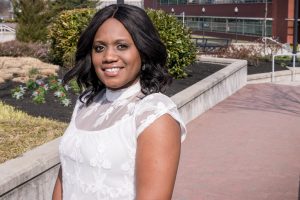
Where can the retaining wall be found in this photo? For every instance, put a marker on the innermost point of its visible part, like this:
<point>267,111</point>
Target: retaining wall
<point>32,176</point>
<point>288,75</point>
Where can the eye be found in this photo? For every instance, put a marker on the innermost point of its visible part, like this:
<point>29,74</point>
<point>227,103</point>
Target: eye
<point>98,48</point>
<point>122,46</point>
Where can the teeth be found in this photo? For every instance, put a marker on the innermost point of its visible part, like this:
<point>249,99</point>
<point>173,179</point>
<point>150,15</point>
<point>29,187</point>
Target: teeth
<point>112,69</point>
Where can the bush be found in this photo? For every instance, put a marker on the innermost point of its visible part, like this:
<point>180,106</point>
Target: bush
<point>21,49</point>
<point>253,53</point>
<point>33,19</point>
<point>181,50</point>
<point>66,28</point>
<point>64,33</point>
<point>250,53</point>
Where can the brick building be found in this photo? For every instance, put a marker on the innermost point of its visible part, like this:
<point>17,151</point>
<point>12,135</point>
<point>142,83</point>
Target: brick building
<point>241,19</point>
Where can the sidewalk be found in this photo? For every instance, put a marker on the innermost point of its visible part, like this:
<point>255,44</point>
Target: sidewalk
<point>245,148</point>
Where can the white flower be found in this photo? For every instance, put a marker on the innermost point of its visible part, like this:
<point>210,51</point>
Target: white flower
<point>66,102</point>
<point>39,82</point>
<point>35,93</point>
<point>22,89</point>
<point>58,93</point>
<point>67,87</point>
<point>59,81</point>
<point>18,95</point>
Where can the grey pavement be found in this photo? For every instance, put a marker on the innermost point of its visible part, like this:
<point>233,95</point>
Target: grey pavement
<point>245,148</point>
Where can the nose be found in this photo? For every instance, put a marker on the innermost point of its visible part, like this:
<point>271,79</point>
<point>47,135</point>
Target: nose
<point>109,55</point>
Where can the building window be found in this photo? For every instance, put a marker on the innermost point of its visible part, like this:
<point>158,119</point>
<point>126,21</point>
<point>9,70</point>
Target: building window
<point>247,27</point>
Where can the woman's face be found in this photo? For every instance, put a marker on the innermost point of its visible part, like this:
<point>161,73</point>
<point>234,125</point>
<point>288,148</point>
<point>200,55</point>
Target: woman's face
<point>115,57</point>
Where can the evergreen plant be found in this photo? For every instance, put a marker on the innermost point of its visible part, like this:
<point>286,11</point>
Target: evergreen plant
<point>64,33</point>
<point>177,38</point>
<point>32,17</point>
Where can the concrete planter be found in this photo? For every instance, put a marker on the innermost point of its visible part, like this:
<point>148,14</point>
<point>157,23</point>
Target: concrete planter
<point>32,176</point>
<point>287,75</point>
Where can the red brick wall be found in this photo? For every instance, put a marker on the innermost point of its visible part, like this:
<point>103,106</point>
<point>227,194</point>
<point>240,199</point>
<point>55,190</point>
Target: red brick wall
<point>279,10</point>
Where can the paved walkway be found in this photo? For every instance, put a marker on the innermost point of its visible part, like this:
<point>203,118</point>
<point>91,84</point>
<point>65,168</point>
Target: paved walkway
<point>245,148</point>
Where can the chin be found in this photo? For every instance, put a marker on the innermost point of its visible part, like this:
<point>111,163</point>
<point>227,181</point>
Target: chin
<point>114,86</point>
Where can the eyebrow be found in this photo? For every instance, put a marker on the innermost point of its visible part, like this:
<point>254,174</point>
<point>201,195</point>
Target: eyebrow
<point>115,42</point>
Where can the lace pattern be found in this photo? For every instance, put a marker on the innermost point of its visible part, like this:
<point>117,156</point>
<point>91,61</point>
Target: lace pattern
<point>98,148</point>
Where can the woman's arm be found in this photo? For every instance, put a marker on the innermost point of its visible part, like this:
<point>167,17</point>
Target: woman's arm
<point>57,192</point>
<point>158,152</point>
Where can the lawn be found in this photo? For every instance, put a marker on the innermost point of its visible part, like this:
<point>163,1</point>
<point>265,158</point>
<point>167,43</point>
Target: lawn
<point>20,132</point>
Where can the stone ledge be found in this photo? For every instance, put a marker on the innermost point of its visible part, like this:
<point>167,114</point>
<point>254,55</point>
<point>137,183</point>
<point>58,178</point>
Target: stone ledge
<point>193,92</point>
<point>20,170</point>
<point>285,75</point>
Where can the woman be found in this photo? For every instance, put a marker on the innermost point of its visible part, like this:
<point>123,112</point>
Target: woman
<point>124,138</point>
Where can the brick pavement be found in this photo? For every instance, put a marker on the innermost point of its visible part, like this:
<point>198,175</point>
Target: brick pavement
<point>245,148</point>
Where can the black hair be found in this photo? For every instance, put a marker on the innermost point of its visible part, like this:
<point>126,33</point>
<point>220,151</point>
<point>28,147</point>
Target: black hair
<point>154,75</point>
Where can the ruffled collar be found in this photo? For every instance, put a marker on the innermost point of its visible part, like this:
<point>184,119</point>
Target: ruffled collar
<point>113,95</point>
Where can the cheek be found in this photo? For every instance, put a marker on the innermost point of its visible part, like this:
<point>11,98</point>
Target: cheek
<point>96,63</point>
<point>95,59</point>
<point>136,62</point>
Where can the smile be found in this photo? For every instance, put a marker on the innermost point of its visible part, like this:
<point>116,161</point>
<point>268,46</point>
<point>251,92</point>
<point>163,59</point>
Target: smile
<point>114,69</point>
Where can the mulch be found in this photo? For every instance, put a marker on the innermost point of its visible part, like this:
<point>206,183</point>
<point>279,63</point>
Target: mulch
<point>53,110</point>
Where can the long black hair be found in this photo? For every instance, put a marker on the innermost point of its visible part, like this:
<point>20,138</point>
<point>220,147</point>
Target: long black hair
<point>154,75</point>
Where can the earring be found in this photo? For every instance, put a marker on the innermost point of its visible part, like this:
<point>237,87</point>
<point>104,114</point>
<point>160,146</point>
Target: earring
<point>143,67</point>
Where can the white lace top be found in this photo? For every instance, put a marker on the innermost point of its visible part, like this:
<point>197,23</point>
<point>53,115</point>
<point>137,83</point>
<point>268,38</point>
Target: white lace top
<point>97,150</point>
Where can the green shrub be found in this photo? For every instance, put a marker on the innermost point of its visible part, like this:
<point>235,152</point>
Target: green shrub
<point>181,50</point>
<point>33,19</point>
<point>66,28</point>
<point>22,49</point>
<point>64,33</point>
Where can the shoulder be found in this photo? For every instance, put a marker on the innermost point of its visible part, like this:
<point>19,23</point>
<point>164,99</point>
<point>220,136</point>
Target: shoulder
<point>152,107</point>
<point>157,100</point>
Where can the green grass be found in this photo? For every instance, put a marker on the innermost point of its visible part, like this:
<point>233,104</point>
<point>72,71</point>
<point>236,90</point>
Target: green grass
<point>20,132</point>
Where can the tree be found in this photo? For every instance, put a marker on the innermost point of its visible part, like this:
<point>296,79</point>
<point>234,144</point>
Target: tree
<point>33,18</point>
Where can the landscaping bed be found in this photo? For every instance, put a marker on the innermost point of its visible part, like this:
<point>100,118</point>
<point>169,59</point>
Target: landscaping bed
<point>53,110</point>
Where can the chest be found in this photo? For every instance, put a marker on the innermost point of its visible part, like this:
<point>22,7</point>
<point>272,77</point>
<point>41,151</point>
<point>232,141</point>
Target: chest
<point>112,148</point>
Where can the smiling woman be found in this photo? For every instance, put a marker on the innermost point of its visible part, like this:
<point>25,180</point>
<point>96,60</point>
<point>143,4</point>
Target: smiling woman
<point>115,57</point>
<point>124,138</point>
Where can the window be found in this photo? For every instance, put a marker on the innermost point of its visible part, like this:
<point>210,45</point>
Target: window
<point>229,25</point>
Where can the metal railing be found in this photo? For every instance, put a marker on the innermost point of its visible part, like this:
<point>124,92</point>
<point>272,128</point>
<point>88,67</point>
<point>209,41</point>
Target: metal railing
<point>6,29</point>
<point>294,64</point>
<point>213,1</point>
<point>102,4</point>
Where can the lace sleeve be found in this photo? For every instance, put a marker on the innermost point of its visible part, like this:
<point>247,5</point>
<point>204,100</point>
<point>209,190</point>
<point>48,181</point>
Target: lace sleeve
<point>152,107</point>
